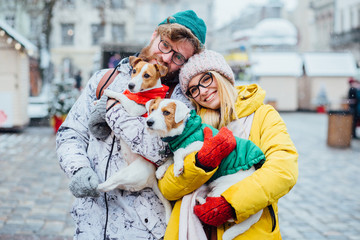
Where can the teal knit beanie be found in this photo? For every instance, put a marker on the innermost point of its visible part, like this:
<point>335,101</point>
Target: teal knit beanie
<point>190,20</point>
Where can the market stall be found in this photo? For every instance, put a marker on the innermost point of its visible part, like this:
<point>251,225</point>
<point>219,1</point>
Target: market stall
<point>15,52</point>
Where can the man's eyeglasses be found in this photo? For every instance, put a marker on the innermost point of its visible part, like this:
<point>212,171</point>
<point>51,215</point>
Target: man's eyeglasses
<point>177,58</point>
<point>205,81</point>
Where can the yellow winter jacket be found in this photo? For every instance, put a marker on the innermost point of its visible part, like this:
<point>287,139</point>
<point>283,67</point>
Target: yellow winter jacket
<point>263,188</point>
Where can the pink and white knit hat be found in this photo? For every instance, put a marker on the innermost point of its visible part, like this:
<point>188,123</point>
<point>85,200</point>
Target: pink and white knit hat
<point>203,62</point>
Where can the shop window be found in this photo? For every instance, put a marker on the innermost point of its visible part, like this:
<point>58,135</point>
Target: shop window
<point>118,32</point>
<point>67,34</point>
<point>97,31</point>
<point>117,4</point>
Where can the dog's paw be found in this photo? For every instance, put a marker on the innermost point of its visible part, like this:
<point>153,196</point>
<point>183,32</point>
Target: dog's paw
<point>178,169</point>
<point>109,184</point>
<point>104,187</point>
<point>110,93</point>
<point>160,172</point>
<point>200,200</point>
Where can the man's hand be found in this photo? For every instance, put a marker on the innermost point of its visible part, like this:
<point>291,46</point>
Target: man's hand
<point>215,212</point>
<point>97,123</point>
<point>84,183</point>
<point>216,148</point>
<point>110,102</point>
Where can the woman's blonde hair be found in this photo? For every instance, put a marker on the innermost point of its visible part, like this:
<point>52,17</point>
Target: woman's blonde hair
<point>226,113</point>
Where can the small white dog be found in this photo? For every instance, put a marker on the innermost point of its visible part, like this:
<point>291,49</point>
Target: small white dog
<point>139,173</point>
<point>167,118</point>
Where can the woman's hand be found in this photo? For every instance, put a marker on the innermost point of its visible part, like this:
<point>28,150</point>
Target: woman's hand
<point>215,149</point>
<point>215,211</point>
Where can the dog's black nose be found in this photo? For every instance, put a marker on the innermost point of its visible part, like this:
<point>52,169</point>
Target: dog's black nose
<point>131,86</point>
<point>150,122</point>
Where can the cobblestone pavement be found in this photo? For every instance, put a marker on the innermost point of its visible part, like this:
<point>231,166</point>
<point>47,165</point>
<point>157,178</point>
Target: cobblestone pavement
<point>324,204</point>
<point>34,198</point>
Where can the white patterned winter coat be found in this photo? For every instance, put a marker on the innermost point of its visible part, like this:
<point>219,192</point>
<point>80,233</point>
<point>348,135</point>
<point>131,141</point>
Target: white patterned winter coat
<point>117,214</point>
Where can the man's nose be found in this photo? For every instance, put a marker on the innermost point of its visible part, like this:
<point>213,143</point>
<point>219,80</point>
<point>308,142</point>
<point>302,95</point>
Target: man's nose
<point>167,57</point>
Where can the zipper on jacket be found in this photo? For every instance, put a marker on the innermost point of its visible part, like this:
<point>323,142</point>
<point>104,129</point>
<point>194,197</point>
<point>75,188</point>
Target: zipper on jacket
<point>273,217</point>
<point>270,207</point>
<point>105,195</point>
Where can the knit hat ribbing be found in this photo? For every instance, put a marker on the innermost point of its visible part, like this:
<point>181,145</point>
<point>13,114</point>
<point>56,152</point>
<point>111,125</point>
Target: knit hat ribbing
<point>203,62</point>
<point>190,20</point>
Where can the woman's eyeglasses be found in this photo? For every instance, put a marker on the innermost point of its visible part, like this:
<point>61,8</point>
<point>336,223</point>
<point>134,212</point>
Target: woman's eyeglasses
<point>177,58</point>
<point>205,81</point>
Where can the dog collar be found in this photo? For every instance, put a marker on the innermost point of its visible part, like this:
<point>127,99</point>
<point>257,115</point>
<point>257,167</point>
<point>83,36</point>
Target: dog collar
<point>169,139</point>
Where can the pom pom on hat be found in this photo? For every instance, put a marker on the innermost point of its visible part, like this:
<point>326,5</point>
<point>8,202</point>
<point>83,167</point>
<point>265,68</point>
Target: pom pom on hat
<point>203,62</point>
<point>190,20</point>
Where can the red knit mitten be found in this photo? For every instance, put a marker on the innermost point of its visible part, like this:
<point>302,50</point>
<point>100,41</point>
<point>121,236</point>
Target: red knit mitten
<point>216,148</point>
<point>216,211</point>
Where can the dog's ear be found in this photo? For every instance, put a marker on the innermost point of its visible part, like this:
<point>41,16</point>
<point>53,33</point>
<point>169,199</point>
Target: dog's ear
<point>181,111</point>
<point>134,60</point>
<point>162,69</point>
<point>148,104</point>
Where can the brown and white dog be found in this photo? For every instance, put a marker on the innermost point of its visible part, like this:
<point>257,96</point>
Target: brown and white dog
<point>139,173</point>
<point>167,118</point>
<point>145,79</point>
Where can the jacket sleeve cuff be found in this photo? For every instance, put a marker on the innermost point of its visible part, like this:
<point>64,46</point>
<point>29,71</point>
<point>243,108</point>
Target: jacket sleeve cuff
<point>112,105</point>
<point>203,167</point>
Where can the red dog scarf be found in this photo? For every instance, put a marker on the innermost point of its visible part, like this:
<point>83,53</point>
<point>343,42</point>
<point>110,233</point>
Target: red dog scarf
<point>143,97</point>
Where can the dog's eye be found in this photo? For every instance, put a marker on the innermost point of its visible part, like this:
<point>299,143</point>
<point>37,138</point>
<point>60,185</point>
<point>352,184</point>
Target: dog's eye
<point>134,71</point>
<point>146,75</point>
<point>165,113</point>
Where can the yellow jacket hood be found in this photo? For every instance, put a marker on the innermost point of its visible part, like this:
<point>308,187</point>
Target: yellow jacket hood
<point>250,98</point>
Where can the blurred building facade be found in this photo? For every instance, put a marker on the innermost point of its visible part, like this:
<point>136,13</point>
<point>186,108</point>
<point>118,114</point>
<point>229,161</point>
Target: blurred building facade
<point>323,20</point>
<point>85,34</point>
<point>330,25</point>
<point>281,46</point>
<point>80,28</point>
<point>346,32</point>
<point>238,33</point>
<point>303,19</point>
<point>321,25</point>
<point>26,18</point>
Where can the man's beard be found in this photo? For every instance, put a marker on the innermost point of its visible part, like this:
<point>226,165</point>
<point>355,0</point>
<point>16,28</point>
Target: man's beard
<point>171,77</point>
